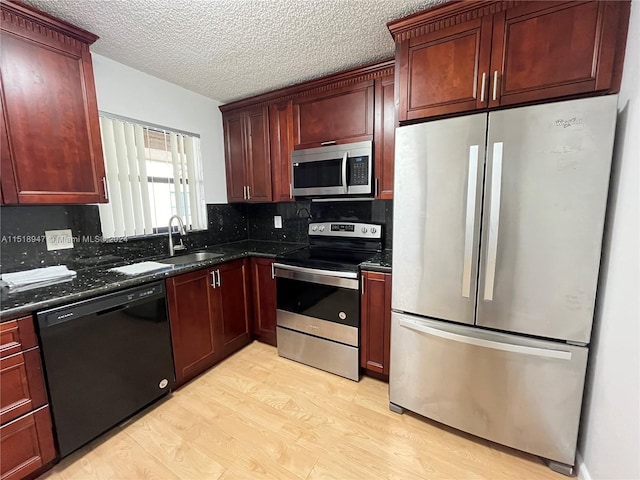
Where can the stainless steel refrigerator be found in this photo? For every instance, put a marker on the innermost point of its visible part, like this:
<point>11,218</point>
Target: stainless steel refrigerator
<point>498,223</point>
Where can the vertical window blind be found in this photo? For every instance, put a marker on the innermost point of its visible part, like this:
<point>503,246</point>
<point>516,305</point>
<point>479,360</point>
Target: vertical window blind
<point>152,174</point>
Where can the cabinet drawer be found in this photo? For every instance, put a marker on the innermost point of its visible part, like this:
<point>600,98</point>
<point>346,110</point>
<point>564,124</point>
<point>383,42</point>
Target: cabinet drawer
<point>17,335</point>
<point>26,444</point>
<point>21,384</point>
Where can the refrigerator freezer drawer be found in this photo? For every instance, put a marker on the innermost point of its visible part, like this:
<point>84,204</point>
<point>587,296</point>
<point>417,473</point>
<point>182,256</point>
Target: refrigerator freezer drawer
<point>517,391</point>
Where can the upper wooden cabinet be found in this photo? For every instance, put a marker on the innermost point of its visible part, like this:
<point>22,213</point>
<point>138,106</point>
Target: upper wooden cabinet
<point>261,132</point>
<point>49,129</point>
<point>384,136</point>
<point>281,131</point>
<point>337,115</point>
<point>465,56</point>
<point>248,159</point>
<point>554,49</point>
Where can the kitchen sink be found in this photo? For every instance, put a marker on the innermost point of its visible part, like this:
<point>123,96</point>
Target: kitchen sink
<point>191,258</point>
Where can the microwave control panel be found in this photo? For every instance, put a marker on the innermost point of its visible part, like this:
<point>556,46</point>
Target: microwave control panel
<point>359,170</point>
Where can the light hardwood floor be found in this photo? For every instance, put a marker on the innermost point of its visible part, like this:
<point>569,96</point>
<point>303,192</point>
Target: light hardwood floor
<point>256,415</point>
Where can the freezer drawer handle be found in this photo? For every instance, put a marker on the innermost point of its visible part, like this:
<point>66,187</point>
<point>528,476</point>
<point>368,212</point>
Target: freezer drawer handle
<point>481,342</point>
<point>494,221</point>
<point>470,220</point>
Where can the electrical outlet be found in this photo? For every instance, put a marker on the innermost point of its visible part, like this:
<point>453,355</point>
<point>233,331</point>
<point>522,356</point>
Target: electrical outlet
<point>58,239</point>
<point>277,221</point>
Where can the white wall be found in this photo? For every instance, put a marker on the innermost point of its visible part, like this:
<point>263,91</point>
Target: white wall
<point>122,90</point>
<point>610,439</point>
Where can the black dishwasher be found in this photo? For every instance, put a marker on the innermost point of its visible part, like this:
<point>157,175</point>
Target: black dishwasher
<point>105,359</point>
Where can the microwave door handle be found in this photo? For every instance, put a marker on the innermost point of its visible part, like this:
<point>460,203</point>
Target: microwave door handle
<point>344,172</point>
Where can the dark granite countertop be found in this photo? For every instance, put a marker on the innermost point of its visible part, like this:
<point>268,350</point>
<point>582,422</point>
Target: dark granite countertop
<point>381,262</point>
<point>91,282</point>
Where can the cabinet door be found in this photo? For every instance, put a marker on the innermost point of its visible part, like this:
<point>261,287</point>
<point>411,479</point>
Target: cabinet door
<point>191,313</point>
<point>264,300</point>
<point>26,445</point>
<point>234,145</point>
<point>444,71</point>
<point>17,335</point>
<point>552,49</point>
<point>339,115</point>
<point>51,147</point>
<point>21,384</point>
<point>234,294</point>
<point>281,130</point>
<point>258,164</point>
<point>385,135</point>
<point>375,322</point>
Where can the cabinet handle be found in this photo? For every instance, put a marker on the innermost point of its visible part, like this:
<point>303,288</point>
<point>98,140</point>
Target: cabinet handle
<point>377,192</point>
<point>290,190</point>
<point>332,142</point>
<point>104,185</point>
<point>213,279</point>
<point>273,270</point>
<point>248,192</point>
<point>362,278</point>
<point>484,82</point>
<point>495,85</point>
<point>218,275</point>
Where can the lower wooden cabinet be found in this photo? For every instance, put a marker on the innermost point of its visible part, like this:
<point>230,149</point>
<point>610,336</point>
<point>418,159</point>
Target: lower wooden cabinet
<point>26,434</point>
<point>375,322</point>
<point>209,313</point>
<point>26,444</point>
<point>264,300</point>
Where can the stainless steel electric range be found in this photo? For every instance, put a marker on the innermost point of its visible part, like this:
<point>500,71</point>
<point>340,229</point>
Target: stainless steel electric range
<point>318,296</point>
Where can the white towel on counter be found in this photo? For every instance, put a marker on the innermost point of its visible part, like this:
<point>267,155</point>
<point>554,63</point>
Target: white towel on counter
<point>141,267</point>
<point>36,277</point>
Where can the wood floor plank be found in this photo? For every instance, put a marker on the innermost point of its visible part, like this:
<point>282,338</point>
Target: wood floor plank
<point>257,415</point>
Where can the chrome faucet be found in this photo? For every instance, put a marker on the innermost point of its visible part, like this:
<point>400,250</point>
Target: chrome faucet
<point>181,231</point>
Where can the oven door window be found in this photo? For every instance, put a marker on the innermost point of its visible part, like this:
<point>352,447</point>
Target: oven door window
<point>334,304</point>
<point>321,173</point>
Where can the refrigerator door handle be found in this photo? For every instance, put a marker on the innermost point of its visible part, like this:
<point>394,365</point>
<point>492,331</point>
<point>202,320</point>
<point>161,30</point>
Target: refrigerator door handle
<point>494,221</point>
<point>470,220</point>
<point>481,342</point>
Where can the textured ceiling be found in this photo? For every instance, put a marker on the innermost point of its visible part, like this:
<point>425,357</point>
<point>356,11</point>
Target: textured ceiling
<point>232,49</point>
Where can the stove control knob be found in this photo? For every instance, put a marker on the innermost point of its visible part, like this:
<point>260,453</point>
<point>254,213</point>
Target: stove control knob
<point>321,228</point>
<point>374,229</point>
<point>364,229</point>
<point>314,228</point>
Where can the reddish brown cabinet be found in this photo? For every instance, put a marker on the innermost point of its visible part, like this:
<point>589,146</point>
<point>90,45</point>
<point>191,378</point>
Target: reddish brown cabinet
<point>234,296</point>
<point>384,136</point>
<point>26,434</point>
<point>209,313</point>
<point>192,314</point>
<point>26,444</point>
<point>264,300</point>
<point>51,151</point>
<point>335,115</point>
<point>247,154</point>
<point>443,71</point>
<point>375,322</point>
<point>281,130</point>
<point>554,49</point>
<point>465,56</point>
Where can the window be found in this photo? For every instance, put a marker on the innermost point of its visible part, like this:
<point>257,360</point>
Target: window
<point>152,174</point>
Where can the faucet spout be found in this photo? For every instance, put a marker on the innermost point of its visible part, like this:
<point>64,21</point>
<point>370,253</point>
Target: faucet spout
<point>181,230</point>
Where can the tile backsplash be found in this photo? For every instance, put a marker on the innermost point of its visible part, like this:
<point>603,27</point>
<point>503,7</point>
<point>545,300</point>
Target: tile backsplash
<point>23,244</point>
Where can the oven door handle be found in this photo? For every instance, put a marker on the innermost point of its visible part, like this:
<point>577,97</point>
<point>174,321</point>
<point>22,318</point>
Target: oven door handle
<point>341,279</point>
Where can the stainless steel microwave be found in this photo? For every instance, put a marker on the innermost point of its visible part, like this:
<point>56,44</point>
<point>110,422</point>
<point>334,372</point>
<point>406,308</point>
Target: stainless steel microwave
<point>334,170</point>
